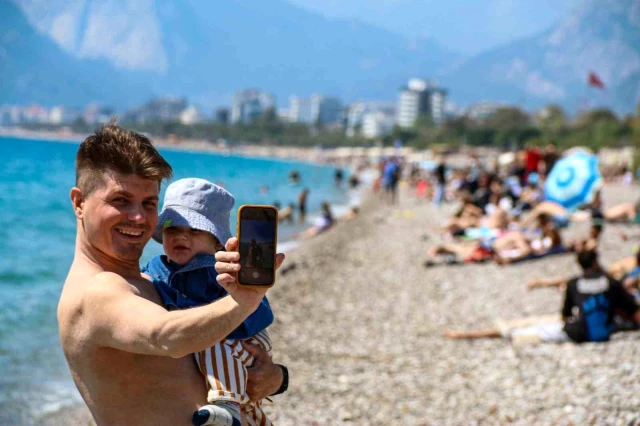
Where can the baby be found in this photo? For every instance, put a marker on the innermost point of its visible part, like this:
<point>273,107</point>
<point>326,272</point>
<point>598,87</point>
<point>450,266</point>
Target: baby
<point>193,225</point>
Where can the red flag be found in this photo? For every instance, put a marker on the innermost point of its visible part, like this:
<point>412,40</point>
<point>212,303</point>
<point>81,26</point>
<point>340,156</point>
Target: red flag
<point>595,81</point>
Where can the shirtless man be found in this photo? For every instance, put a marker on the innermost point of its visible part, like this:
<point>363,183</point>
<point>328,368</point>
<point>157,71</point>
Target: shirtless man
<point>130,358</point>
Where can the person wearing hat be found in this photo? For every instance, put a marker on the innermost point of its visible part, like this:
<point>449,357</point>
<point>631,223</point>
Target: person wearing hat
<point>191,228</point>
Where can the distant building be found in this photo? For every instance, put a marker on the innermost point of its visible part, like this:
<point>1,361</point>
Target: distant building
<point>325,110</point>
<point>482,110</point>
<point>379,123</point>
<point>357,112</point>
<point>300,110</point>
<point>166,108</point>
<point>10,115</point>
<point>63,115</point>
<point>35,114</point>
<point>283,115</point>
<point>190,115</point>
<point>249,105</point>
<point>417,98</point>
<point>98,114</point>
<point>221,115</point>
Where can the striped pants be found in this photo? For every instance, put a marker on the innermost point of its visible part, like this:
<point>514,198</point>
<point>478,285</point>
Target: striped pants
<point>225,369</point>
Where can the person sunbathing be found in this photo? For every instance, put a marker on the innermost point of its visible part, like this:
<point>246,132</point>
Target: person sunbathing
<point>515,246</point>
<point>587,314</point>
<point>503,247</point>
<point>623,213</point>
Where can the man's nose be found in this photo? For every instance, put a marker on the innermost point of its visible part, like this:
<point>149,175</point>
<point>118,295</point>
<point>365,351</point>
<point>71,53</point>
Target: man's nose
<point>137,214</point>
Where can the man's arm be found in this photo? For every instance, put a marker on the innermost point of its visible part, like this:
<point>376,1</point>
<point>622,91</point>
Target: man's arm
<point>120,319</point>
<point>549,282</point>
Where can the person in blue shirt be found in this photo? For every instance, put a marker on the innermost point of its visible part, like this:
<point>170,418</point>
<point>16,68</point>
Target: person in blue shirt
<point>191,228</point>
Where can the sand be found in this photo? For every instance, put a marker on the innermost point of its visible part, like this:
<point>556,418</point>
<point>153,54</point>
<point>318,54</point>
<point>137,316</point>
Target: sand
<point>359,320</point>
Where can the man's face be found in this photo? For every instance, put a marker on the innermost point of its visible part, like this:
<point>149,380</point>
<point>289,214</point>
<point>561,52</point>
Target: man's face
<point>120,215</point>
<point>181,243</point>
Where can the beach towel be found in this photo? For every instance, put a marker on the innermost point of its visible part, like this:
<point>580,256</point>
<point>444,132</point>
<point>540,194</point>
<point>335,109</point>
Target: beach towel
<point>551,252</point>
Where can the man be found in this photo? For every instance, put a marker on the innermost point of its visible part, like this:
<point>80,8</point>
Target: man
<point>130,358</point>
<point>596,297</point>
<point>591,301</point>
<point>441,181</point>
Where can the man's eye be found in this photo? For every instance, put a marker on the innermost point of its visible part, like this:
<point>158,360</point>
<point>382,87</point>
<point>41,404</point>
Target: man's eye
<point>120,200</point>
<point>151,204</point>
<point>196,231</point>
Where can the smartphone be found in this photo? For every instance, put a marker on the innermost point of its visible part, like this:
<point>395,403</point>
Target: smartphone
<point>257,238</point>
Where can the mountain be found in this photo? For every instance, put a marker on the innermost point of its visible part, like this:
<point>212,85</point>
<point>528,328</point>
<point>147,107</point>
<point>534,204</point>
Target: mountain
<point>601,36</point>
<point>35,70</point>
<point>119,51</point>
<point>208,50</point>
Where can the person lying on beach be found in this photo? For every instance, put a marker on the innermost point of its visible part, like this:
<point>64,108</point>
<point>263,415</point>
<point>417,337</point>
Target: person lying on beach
<point>560,215</point>
<point>129,357</point>
<point>623,213</point>
<point>470,224</point>
<point>587,314</point>
<point>515,246</point>
<point>191,226</point>
<point>503,248</point>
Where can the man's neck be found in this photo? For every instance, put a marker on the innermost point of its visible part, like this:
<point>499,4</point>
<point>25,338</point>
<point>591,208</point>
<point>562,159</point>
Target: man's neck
<point>96,259</point>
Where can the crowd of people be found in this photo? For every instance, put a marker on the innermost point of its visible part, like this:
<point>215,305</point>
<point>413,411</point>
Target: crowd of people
<point>504,216</point>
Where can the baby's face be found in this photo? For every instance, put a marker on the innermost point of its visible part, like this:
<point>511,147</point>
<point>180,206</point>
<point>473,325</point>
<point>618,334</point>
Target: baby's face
<point>182,243</point>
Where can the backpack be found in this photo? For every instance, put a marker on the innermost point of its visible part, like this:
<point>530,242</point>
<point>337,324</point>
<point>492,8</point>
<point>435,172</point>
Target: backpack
<point>595,313</point>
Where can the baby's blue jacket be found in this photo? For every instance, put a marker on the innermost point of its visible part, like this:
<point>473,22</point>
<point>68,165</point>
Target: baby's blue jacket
<point>194,284</point>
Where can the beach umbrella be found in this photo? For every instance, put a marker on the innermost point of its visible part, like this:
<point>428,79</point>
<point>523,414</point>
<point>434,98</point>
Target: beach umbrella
<point>573,181</point>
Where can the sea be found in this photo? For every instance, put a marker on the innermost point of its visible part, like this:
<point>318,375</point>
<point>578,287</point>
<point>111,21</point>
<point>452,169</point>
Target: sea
<point>38,237</point>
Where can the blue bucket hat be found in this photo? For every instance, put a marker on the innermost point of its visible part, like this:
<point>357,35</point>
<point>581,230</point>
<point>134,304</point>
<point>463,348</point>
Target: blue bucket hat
<point>198,204</point>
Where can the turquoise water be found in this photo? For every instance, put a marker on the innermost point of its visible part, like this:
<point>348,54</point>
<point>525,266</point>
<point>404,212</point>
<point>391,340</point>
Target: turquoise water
<point>38,236</point>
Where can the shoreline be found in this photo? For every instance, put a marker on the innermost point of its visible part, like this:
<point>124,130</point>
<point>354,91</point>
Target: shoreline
<point>311,155</point>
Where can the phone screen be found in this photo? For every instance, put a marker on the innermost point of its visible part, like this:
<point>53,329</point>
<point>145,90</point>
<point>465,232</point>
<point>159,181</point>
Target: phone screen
<point>257,234</point>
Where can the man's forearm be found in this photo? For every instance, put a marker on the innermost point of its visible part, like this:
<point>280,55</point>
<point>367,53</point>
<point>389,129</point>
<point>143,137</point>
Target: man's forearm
<point>192,330</point>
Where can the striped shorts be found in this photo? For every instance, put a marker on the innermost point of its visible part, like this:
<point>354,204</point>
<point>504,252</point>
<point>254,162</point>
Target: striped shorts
<point>225,368</point>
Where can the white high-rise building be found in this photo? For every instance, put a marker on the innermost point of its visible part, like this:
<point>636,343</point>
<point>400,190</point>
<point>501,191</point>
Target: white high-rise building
<point>249,104</point>
<point>300,110</point>
<point>377,123</point>
<point>359,111</point>
<point>420,97</point>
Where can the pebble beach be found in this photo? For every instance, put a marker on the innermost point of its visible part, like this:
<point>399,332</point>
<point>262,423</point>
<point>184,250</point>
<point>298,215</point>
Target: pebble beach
<point>359,320</point>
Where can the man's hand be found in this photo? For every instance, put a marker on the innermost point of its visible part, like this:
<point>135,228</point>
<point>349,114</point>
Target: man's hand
<point>265,377</point>
<point>227,267</point>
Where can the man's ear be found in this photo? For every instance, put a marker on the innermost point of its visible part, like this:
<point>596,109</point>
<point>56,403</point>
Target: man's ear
<point>77,201</point>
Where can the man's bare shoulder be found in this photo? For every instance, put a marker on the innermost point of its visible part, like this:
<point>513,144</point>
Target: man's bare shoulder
<point>82,290</point>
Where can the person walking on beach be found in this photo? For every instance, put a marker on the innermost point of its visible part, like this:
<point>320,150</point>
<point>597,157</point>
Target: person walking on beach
<point>193,222</point>
<point>441,181</point>
<point>130,358</point>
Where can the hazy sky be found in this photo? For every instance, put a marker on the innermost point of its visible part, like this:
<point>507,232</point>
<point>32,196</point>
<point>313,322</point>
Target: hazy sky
<point>468,26</point>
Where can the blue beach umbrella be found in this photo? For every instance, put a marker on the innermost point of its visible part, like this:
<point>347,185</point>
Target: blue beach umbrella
<point>573,181</point>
